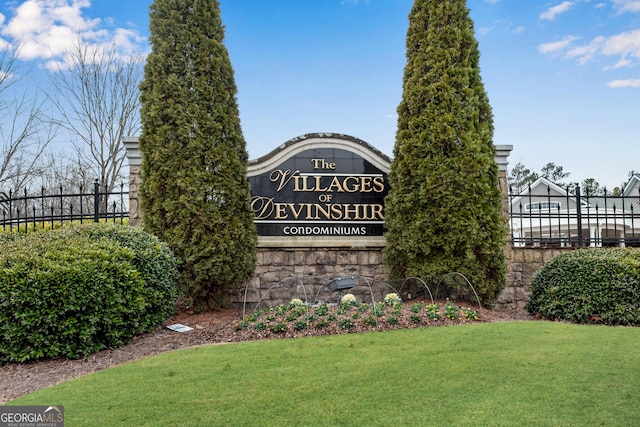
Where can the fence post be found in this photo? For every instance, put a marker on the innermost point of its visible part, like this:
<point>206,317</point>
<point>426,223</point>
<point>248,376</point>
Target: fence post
<point>579,214</point>
<point>96,201</point>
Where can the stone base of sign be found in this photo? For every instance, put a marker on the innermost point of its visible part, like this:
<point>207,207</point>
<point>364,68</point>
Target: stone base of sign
<point>284,274</point>
<point>280,273</point>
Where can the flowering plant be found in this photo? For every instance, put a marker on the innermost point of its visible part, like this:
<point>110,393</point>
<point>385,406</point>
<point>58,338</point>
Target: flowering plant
<point>433,312</point>
<point>469,314</point>
<point>296,302</point>
<point>451,311</point>
<point>392,299</point>
<point>348,299</point>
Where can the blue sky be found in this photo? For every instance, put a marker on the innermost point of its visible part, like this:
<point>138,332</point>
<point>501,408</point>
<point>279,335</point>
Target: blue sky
<point>563,77</point>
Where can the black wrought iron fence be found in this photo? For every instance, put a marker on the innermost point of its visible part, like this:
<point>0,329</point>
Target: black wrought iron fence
<point>51,208</point>
<point>547,217</point>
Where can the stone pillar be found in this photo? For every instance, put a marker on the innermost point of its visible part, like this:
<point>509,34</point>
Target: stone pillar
<point>512,294</point>
<point>135,162</point>
<point>502,159</point>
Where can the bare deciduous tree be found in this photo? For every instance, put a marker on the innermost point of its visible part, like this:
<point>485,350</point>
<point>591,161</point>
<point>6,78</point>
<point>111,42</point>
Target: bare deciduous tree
<point>96,99</point>
<point>24,130</point>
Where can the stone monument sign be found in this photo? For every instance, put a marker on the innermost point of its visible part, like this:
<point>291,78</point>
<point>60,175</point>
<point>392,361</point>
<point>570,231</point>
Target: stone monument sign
<point>321,189</point>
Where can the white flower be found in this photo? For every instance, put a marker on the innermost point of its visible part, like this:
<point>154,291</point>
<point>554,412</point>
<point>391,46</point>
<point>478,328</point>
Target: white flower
<point>348,299</point>
<point>296,302</point>
<point>391,299</point>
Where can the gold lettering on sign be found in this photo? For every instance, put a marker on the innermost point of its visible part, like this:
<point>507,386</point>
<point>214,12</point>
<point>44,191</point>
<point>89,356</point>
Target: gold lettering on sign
<point>336,184</point>
<point>314,196</point>
<point>323,164</point>
<point>262,207</point>
<point>265,207</point>
<point>283,177</point>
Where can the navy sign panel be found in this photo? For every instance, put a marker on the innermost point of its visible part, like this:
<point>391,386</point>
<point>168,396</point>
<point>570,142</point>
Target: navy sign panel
<point>320,186</point>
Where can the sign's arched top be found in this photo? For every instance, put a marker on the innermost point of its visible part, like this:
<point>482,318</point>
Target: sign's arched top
<point>319,140</point>
<point>321,189</point>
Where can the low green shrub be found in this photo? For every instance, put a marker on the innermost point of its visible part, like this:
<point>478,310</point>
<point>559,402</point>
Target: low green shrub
<point>154,260</point>
<point>77,290</point>
<point>589,286</point>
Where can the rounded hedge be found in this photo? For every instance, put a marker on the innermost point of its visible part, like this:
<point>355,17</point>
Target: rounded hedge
<point>589,286</point>
<point>154,261</point>
<point>80,289</point>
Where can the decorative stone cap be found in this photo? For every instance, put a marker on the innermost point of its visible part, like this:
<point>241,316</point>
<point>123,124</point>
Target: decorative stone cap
<point>133,151</point>
<point>502,156</point>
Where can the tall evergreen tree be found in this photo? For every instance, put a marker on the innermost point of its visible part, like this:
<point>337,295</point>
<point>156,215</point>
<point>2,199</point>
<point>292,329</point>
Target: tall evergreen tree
<point>444,213</point>
<point>194,192</point>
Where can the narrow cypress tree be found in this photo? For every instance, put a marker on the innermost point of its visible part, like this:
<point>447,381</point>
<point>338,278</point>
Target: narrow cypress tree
<point>194,191</point>
<point>443,213</point>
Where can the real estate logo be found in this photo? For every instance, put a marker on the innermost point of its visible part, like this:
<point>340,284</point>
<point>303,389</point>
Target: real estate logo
<point>31,416</point>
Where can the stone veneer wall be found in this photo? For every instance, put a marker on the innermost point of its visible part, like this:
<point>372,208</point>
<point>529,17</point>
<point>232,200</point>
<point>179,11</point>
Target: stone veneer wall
<point>280,272</point>
<point>522,264</point>
<point>275,266</point>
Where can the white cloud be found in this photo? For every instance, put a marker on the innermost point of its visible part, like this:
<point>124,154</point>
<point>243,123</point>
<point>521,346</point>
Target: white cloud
<point>47,29</point>
<point>623,62</point>
<point>625,46</point>
<point>587,52</point>
<point>491,2</point>
<point>484,30</point>
<point>624,83</point>
<point>501,25</point>
<point>551,13</point>
<point>627,5</point>
<point>560,45</point>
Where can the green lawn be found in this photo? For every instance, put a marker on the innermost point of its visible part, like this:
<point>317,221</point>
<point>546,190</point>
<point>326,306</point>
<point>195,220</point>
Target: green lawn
<point>499,374</point>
